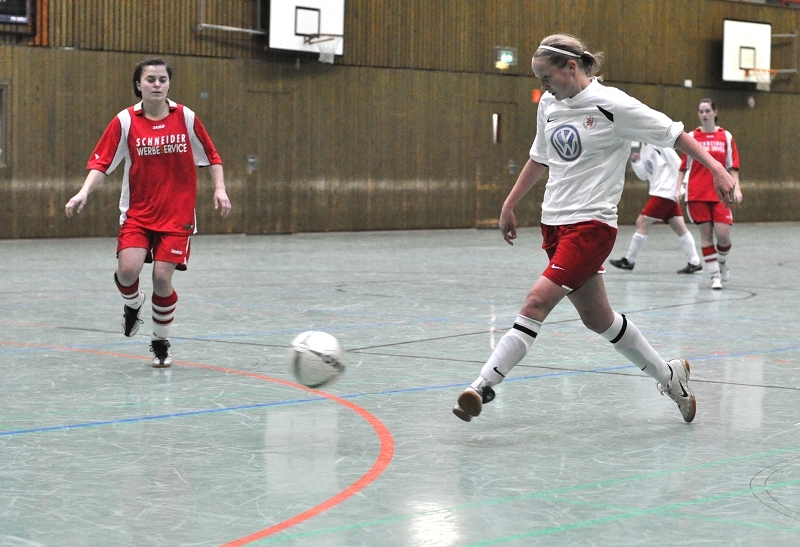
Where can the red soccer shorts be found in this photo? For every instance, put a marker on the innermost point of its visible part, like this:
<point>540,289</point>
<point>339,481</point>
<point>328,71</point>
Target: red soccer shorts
<point>160,246</point>
<point>577,251</point>
<point>661,208</point>
<point>709,211</point>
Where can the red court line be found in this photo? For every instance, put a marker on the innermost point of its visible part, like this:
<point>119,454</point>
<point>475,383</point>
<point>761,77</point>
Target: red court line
<point>381,463</point>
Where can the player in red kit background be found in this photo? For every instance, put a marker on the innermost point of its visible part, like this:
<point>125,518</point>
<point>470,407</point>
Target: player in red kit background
<point>703,205</point>
<point>161,143</point>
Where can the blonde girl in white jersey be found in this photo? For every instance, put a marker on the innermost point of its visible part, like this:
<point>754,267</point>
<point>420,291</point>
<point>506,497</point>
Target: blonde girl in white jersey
<point>584,134</point>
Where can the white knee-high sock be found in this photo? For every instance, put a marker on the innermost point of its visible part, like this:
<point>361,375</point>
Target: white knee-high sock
<point>628,341</point>
<point>509,351</point>
<point>687,242</point>
<point>637,242</point>
<point>722,253</point>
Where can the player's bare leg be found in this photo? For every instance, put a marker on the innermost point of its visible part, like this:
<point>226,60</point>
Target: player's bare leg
<point>129,265</point>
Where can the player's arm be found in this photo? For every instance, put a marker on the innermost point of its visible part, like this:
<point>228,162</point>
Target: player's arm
<point>78,201</point>
<point>527,178</point>
<point>638,168</point>
<point>724,183</point>
<point>737,190</point>
<point>221,200</point>
<point>679,185</point>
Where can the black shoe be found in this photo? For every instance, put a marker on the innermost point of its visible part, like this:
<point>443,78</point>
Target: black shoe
<point>691,268</point>
<point>130,319</point>
<point>622,264</point>
<point>470,402</point>
<point>161,356</point>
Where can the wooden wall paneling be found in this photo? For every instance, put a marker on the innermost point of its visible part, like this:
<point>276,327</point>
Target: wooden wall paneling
<point>268,195</point>
<point>204,85</point>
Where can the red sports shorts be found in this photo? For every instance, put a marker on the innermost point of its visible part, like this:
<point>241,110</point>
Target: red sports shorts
<point>709,211</point>
<point>160,246</point>
<point>577,251</point>
<point>661,208</point>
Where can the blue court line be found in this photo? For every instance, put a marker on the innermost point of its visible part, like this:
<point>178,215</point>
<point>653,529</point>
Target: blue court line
<point>289,402</point>
<point>554,374</point>
<point>157,417</point>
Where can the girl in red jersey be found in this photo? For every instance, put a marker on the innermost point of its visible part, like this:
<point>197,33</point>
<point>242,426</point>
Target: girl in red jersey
<point>162,143</point>
<point>703,206</point>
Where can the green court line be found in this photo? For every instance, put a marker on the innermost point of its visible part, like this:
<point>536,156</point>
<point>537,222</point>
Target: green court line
<point>634,513</point>
<point>549,494</point>
<point>685,516</point>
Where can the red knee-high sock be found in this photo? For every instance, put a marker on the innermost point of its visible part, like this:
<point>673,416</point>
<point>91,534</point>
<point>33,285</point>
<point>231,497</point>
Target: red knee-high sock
<point>722,253</point>
<point>163,314</point>
<point>130,294</point>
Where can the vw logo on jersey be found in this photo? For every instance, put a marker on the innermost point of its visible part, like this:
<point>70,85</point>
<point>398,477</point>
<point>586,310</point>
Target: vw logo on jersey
<point>567,142</point>
<point>648,165</point>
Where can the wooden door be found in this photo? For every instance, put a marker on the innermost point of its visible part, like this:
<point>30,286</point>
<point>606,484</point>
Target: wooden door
<point>496,167</point>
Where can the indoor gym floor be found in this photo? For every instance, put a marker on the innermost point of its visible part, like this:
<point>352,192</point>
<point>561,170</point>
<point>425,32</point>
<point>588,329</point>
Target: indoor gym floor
<point>99,449</point>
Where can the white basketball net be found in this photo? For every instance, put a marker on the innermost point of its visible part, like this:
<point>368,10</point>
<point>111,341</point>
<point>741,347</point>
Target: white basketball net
<point>327,48</point>
<point>763,78</point>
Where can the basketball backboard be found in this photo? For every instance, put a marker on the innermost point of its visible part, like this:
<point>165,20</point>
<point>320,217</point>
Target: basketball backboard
<point>746,45</point>
<point>293,23</point>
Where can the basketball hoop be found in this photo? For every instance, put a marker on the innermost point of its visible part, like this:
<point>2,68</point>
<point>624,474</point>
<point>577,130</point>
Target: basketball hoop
<point>763,77</point>
<point>326,44</point>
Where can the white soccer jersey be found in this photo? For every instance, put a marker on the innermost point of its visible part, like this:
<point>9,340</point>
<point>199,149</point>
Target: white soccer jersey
<point>659,166</point>
<point>586,141</point>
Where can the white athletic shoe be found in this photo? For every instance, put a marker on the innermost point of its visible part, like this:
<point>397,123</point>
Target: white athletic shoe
<point>724,272</point>
<point>716,283</point>
<point>678,388</point>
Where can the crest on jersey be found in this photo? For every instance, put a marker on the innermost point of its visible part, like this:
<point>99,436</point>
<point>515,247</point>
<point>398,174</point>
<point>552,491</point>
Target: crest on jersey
<point>648,165</point>
<point>588,123</point>
<point>566,142</point>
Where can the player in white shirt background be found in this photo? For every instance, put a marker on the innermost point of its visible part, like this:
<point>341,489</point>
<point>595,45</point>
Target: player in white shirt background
<point>584,135</point>
<point>659,167</point>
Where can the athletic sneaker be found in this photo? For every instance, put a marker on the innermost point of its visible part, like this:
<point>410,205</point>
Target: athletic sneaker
<point>130,318</point>
<point>678,388</point>
<point>470,403</point>
<point>691,268</point>
<point>716,283</point>
<point>161,356</point>
<point>724,272</point>
<point>622,264</point>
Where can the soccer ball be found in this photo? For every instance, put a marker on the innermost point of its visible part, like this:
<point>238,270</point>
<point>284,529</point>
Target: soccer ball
<point>316,358</point>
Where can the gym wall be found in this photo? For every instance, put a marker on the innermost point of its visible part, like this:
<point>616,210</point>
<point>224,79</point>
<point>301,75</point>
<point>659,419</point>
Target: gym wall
<point>396,135</point>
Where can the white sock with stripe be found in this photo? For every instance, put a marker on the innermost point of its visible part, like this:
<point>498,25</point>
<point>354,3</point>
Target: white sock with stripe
<point>509,351</point>
<point>628,341</point>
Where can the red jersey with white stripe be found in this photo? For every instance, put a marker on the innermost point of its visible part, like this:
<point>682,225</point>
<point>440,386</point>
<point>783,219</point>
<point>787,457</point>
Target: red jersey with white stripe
<point>159,186</point>
<point>722,147</point>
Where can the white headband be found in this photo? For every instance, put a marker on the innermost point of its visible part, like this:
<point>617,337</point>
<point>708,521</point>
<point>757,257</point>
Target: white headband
<point>561,51</point>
